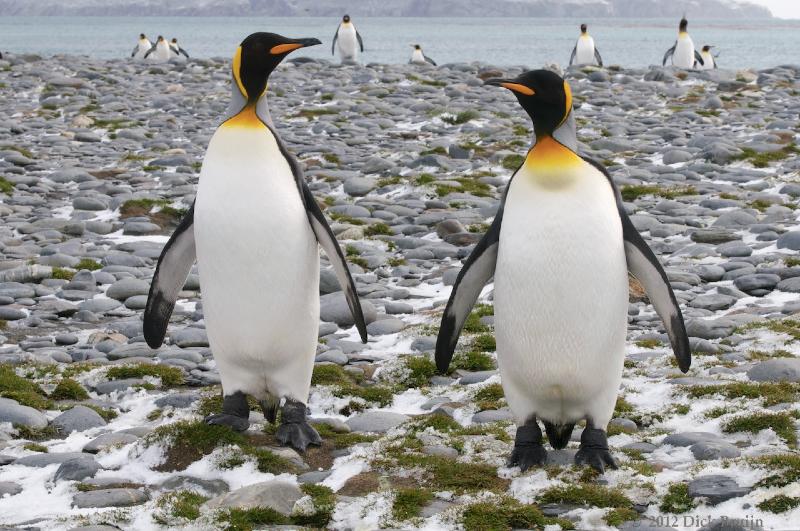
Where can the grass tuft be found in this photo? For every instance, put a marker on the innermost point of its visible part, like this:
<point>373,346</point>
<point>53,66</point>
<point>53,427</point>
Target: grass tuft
<point>783,424</point>
<point>408,503</point>
<point>677,499</point>
<point>170,376</point>
<point>69,389</point>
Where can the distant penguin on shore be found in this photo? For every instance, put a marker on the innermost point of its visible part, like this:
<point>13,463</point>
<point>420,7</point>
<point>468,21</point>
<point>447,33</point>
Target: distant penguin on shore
<point>160,52</point>
<point>350,42</point>
<point>177,49</point>
<point>683,52</point>
<point>419,58</point>
<point>709,60</point>
<point>585,52</point>
<point>142,47</point>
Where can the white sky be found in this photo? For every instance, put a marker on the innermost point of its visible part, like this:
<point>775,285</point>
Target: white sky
<point>781,8</point>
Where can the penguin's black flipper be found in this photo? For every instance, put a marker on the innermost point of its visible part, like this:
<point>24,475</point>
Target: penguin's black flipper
<point>173,267</point>
<point>598,58</point>
<point>429,60</point>
<point>174,50</point>
<point>151,50</point>
<point>183,52</point>
<point>477,271</point>
<point>668,54</point>
<point>360,42</point>
<point>335,36</point>
<point>574,51</point>
<point>698,57</point>
<point>328,242</point>
<point>644,265</point>
<point>135,49</point>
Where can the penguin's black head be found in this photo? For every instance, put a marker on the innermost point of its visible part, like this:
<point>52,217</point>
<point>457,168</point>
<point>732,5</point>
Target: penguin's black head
<point>141,36</point>
<point>683,25</point>
<point>417,47</point>
<point>707,47</point>
<point>583,28</point>
<point>544,95</point>
<point>174,40</point>
<point>346,18</point>
<point>257,57</point>
<point>160,38</point>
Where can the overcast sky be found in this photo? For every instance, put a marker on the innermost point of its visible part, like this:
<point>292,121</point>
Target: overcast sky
<point>782,8</point>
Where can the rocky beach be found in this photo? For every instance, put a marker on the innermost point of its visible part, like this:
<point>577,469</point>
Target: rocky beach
<point>100,159</point>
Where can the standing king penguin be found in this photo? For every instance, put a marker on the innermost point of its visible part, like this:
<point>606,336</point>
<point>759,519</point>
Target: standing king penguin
<point>418,57</point>
<point>559,249</point>
<point>161,51</point>
<point>142,47</point>
<point>709,61</point>
<point>584,51</point>
<point>254,228</point>
<point>349,40</point>
<point>683,52</point>
<point>177,48</point>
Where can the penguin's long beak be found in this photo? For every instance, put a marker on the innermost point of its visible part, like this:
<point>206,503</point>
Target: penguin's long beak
<point>294,45</point>
<point>510,84</point>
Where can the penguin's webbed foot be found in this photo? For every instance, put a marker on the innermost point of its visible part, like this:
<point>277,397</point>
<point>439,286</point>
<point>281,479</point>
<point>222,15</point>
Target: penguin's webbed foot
<point>235,413</point>
<point>594,450</point>
<point>528,449</point>
<point>294,430</point>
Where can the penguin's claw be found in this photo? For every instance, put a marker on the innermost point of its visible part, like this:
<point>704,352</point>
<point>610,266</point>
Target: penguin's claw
<point>597,458</point>
<point>232,421</point>
<point>298,435</point>
<point>527,456</point>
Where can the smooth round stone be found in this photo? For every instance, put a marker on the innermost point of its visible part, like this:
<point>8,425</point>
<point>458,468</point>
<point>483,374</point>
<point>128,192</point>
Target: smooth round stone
<point>758,281</point>
<point>469,378</point>
<point>626,425</point>
<point>643,447</point>
<point>131,350</point>
<point>375,421</point>
<point>137,302</point>
<point>278,494</point>
<point>66,339</point>
<point>333,356</point>
<point>9,488</point>
<point>790,285</point>
<point>15,413</point>
<point>89,203</point>
<point>776,370</point>
<point>690,438</point>
<point>492,415</point>
<point>394,308</point>
<point>789,240</point>
<point>334,309</point>
<point>99,305</point>
<point>110,498</point>
<point>359,186</point>
<point>11,314</point>
<point>713,302</point>
<point>212,487</point>
<point>190,337</point>
<point>734,249</point>
<point>441,451</point>
<point>710,450</point>
<point>79,418</point>
<point>105,388</point>
<point>77,469</point>
<point>127,287</point>
<point>43,460</point>
<point>385,326</point>
<point>109,440</point>
<point>716,489</point>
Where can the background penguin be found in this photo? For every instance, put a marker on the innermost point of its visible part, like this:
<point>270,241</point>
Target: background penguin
<point>585,51</point>
<point>349,39</point>
<point>177,49</point>
<point>261,307</point>
<point>160,52</point>
<point>709,60</point>
<point>682,52</point>
<point>418,57</point>
<point>142,47</point>
<point>559,249</point>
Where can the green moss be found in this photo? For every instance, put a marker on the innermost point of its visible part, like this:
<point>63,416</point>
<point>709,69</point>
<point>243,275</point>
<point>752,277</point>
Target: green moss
<point>770,393</point>
<point>421,369</point>
<point>586,494</point>
<point>88,264</point>
<point>635,191</point>
<point>181,504</point>
<point>249,519</point>
<point>268,462</point>
<point>677,499</point>
<point>460,118</point>
<point>423,179</point>
<point>621,407</point>
<point>310,114</point>
<point>438,150</point>
<point>785,468</point>
<point>343,440</point>
<point>22,390</point>
<point>329,374</point>
<point>473,323</point>
<point>617,517</point>
<point>194,439</point>
<point>472,361</point>
<point>484,343</point>
<point>779,504</point>
<point>783,424</point>
<point>491,392</point>
<point>467,185</point>
<point>170,376</point>
<point>69,389</point>
<point>512,162</point>
<point>324,502</point>
<point>520,130</point>
<point>62,274</point>
<point>462,477</point>
<point>762,160</point>
<point>346,385</point>
<point>37,434</point>
<point>506,514</point>
<point>648,343</point>
<point>791,261</point>
<point>6,186</point>
<point>408,503</point>
<point>437,421</point>
<point>716,412</point>
<point>34,447</point>
<point>790,327</point>
<point>378,229</point>
<point>138,207</point>
<point>112,124</point>
<point>331,157</point>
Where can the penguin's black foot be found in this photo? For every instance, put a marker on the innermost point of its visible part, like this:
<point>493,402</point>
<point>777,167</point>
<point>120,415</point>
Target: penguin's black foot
<point>294,430</point>
<point>235,412</point>
<point>594,450</point>
<point>528,449</point>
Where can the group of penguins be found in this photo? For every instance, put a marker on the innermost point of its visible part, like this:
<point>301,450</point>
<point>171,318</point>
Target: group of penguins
<point>559,250</point>
<point>160,52</point>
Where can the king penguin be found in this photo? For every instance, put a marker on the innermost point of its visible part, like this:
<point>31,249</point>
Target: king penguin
<point>142,47</point>
<point>176,48</point>
<point>160,52</point>
<point>559,249</point>
<point>585,52</point>
<point>349,40</point>
<point>254,229</point>
<point>682,52</point>
<point>419,58</point>
<point>709,60</point>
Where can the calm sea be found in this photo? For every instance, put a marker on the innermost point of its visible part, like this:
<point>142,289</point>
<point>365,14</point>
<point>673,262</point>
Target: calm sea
<point>500,41</point>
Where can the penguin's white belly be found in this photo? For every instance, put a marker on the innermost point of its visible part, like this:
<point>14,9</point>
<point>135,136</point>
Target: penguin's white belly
<point>684,52</point>
<point>561,298</point>
<point>141,50</point>
<point>417,58</point>
<point>161,53</point>
<point>584,54</point>
<point>347,43</point>
<point>708,61</point>
<point>259,266</point>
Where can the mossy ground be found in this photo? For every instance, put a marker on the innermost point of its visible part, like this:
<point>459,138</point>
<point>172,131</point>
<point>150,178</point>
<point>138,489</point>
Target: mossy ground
<point>770,393</point>
<point>346,385</point>
<point>22,390</point>
<point>783,424</point>
<point>170,376</point>
<point>69,389</point>
<point>506,514</point>
<point>677,500</point>
<point>635,191</point>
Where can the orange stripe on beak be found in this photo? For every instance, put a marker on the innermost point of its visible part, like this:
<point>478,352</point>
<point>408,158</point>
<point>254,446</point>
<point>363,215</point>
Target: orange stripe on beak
<point>284,48</point>
<point>516,87</point>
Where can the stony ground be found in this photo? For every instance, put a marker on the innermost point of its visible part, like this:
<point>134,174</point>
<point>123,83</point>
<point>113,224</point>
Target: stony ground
<point>98,160</point>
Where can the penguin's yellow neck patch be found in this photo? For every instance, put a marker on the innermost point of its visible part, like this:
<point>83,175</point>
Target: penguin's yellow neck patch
<point>246,119</point>
<point>551,164</point>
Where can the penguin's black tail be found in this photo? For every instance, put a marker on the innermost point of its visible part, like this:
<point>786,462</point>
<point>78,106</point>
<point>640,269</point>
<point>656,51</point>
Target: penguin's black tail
<point>558,434</point>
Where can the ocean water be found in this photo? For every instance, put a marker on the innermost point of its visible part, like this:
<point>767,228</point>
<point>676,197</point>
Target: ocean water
<point>500,41</point>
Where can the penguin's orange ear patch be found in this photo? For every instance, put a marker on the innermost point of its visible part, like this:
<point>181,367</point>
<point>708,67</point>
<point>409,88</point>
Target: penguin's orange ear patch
<point>516,87</point>
<point>284,48</point>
